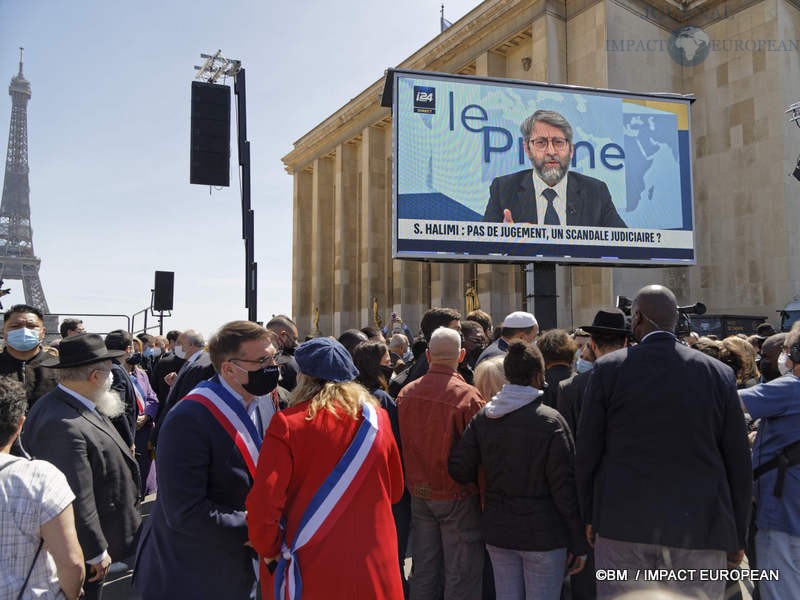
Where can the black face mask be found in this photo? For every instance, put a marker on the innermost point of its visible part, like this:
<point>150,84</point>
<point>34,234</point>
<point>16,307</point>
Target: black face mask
<point>134,359</point>
<point>387,372</point>
<point>262,381</point>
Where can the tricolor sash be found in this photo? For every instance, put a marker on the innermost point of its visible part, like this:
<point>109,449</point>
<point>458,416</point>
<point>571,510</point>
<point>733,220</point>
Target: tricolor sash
<point>232,417</point>
<point>329,502</point>
<point>139,393</point>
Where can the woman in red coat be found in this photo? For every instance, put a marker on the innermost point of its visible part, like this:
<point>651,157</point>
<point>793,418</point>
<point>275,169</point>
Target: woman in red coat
<point>353,554</point>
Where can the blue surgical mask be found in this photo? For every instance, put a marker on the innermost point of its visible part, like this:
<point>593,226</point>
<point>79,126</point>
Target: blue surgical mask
<point>23,339</point>
<point>148,352</point>
<point>581,366</point>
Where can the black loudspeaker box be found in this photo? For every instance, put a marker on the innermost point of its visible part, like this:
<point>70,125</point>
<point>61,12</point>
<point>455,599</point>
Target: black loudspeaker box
<point>209,162</point>
<point>163,290</point>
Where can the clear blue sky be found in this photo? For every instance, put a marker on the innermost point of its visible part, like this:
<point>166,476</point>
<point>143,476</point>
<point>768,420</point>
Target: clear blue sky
<point>108,134</point>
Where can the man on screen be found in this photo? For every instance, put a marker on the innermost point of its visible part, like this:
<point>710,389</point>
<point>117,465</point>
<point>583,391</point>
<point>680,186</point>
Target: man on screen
<point>543,194</point>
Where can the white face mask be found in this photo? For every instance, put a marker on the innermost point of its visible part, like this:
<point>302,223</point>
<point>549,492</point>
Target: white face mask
<point>782,368</point>
<point>179,351</point>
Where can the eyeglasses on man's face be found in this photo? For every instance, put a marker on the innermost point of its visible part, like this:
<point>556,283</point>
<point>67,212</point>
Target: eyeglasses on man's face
<point>264,361</point>
<point>541,143</point>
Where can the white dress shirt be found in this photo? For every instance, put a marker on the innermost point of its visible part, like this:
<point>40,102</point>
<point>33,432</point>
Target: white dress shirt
<point>559,203</point>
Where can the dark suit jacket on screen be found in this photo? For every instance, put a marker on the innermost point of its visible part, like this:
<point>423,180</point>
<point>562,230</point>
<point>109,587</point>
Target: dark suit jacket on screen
<point>588,200</point>
<point>662,453</point>
<point>99,467</point>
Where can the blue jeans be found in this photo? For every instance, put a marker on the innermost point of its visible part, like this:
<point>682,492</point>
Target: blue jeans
<point>779,550</point>
<point>527,575</point>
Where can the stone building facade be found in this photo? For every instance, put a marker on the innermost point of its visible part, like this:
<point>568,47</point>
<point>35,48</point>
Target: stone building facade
<point>747,209</point>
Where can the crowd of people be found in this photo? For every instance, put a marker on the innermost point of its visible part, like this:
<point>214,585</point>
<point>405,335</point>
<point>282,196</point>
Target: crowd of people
<point>506,462</point>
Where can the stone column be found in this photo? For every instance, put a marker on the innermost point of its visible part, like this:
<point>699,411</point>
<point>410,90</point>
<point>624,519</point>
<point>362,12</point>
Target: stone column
<point>345,226</point>
<point>301,251</point>
<point>447,285</point>
<point>373,247</point>
<point>322,243</point>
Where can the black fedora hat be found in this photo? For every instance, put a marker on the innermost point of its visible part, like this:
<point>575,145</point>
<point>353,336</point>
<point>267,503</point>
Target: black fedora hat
<point>608,320</point>
<point>82,349</point>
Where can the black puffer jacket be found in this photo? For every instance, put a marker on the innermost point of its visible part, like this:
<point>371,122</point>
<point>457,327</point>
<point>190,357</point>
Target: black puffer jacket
<point>528,456</point>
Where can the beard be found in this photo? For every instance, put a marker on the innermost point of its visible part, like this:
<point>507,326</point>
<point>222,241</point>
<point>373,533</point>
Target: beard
<point>108,402</point>
<point>551,174</point>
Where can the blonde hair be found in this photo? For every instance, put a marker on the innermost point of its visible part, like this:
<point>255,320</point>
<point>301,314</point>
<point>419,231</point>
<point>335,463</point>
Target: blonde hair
<point>328,395</point>
<point>741,356</point>
<point>490,376</point>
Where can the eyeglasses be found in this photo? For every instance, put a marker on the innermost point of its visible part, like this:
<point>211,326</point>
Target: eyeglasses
<point>266,361</point>
<point>559,144</point>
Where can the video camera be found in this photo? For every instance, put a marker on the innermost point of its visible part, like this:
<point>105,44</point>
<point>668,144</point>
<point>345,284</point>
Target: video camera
<point>684,326</point>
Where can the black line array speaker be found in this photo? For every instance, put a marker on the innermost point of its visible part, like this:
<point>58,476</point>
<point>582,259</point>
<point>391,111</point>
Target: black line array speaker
<point>211,134</point>
<point>163,290</point>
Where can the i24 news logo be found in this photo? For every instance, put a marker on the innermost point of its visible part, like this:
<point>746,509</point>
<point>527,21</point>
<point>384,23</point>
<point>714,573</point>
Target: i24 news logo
<point>424,99</point>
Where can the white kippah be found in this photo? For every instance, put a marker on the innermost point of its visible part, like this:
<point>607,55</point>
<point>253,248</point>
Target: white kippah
<point>520,320</point>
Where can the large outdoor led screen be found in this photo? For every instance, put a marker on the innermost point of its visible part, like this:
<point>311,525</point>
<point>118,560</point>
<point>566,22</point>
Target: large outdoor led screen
<point>467,186</point>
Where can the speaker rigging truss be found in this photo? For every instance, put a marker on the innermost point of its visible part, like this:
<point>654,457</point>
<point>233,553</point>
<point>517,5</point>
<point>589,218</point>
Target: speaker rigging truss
<point>214,67</point>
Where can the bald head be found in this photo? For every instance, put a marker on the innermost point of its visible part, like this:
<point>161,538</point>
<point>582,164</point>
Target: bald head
<point>657,309</point>
<point>445,347</point>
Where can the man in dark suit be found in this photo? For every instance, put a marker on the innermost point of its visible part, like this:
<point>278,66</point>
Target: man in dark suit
<point>197,368</point>
<point>286,330</point>
<point>69,428</point>
<point>663,465</point>
<point>608,333</point>
<point>125,423</point>
<point>195,543</point>
<point>558,350</point>
<point>548,194</point>
<point>166,364</point>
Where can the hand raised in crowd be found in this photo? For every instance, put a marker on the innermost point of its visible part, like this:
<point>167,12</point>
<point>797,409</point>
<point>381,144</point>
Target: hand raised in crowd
<point>100,570</point>
<point>170,378</point>
<point>507,218</point>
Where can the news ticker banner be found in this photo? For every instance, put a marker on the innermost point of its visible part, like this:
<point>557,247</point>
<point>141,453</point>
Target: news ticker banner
<point>454,135</point>
<point>591,243</point>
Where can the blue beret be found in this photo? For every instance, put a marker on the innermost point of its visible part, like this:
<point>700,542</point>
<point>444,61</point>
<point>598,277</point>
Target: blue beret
<point>325,358</point>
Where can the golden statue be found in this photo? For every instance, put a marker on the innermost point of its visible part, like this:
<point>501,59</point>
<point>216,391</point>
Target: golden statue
<point>471,300</point>
<point>315,322</point>
<point>375,316</point>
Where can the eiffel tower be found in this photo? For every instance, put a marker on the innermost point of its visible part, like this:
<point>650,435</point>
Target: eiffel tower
<point>17,260</point>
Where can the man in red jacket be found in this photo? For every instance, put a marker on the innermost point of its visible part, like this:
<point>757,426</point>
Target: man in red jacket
<point>433,412</point>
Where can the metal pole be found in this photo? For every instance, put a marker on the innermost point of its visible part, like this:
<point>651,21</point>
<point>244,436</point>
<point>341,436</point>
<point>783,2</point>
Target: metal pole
<point>248,230</point>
